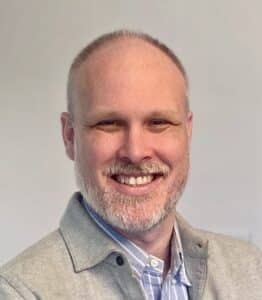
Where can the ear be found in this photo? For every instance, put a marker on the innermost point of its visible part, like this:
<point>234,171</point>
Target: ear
<point>189,125</point>
<point>68,134</point>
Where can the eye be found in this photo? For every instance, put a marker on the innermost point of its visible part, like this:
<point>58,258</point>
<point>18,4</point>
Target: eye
<point>108,125</point>
<point>159,122</point>
<point>158,125</point>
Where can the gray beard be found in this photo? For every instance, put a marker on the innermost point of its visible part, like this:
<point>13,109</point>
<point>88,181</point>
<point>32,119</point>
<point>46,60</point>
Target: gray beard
<point>119,210</point>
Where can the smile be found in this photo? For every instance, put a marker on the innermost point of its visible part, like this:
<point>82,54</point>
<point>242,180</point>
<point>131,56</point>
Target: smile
<point>135,180</point>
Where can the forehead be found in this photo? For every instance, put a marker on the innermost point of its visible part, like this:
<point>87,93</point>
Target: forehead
<point>128,70</point>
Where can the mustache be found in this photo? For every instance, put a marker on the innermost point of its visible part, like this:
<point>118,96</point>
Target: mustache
<point>145,168</point>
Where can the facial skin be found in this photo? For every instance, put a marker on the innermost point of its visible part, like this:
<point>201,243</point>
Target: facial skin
<point>130,134</point>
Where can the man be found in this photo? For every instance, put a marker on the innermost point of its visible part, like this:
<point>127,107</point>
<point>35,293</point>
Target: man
<point>128,130</point>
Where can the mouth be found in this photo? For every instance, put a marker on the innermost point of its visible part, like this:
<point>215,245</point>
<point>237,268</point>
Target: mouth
<point>135,180</point>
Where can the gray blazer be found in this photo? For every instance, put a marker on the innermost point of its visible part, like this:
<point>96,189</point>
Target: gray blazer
<point>79,261</point>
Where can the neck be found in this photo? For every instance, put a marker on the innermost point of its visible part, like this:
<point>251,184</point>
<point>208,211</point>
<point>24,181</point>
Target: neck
<point>156,241</point>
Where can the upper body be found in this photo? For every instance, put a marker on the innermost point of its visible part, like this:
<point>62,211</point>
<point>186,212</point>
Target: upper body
<point>128,130</point>
<point>80,261</point>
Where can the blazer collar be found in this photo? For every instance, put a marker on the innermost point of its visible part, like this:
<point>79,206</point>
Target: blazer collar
<point>194,241</point>
<point>86,242</point>
<point>195,247</point>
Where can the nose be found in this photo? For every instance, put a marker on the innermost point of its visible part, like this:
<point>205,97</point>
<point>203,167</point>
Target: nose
<point>136,146</point>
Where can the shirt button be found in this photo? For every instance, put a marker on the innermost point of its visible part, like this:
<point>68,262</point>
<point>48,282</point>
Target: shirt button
<point>119,260</point>
<point>154,263</point>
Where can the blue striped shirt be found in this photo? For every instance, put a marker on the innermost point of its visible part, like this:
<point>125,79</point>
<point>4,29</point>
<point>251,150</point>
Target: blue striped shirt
<point>149,269</point>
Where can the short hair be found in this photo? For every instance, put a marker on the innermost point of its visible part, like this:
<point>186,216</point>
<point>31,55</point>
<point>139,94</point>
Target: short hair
<point>109,37</point>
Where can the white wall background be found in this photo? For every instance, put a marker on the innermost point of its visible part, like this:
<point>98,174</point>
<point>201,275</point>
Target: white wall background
<point>220,44</point>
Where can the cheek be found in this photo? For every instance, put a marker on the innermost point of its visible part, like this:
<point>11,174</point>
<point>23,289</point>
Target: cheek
<point>99,149</point>
<point>172,149</point>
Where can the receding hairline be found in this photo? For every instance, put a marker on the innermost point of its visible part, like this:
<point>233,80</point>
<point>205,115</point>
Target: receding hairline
<point>103,40</point>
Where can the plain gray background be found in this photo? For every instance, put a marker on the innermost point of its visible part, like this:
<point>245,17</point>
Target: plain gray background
<point>220,45</point>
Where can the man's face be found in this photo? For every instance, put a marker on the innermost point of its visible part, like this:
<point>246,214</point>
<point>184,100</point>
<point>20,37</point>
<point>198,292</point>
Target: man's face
<point>131,134</point>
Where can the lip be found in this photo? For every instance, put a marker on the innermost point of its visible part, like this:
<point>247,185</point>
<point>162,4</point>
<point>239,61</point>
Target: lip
<point>137,190</point>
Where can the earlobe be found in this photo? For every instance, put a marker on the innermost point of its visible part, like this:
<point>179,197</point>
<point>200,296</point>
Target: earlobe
<point>68,134</point>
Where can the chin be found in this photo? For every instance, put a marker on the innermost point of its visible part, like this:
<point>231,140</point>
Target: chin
<point>131,214</point>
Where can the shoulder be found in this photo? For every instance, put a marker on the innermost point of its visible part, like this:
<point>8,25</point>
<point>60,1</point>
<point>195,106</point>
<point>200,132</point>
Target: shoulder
<point>237,256</point>
<point>217,244</point>
<point>43,260</point>
<point>231,246</point>
<point>222,252</point>
<point>47,249</point>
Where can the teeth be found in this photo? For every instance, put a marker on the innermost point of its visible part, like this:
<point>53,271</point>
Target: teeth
<point>132,180</point>
<point>140,180</point>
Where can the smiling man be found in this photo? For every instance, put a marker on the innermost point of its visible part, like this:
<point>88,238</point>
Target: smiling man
<point>128,130</point>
